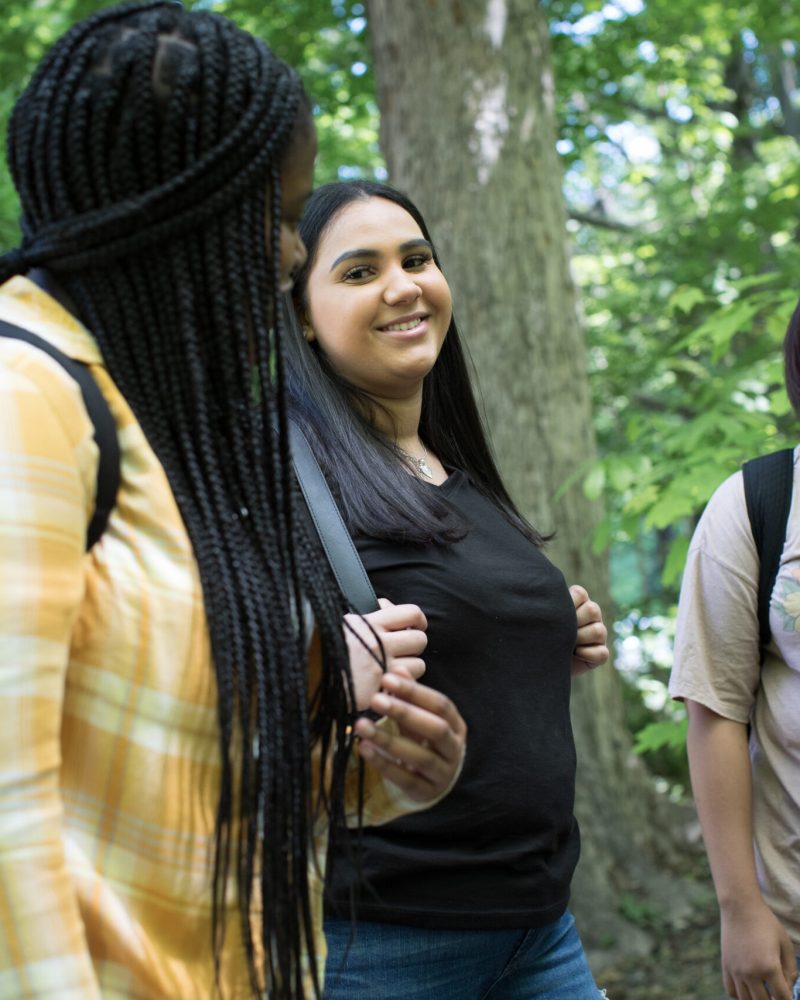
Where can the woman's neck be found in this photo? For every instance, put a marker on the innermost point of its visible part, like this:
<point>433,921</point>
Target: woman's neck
<point>399,419</point>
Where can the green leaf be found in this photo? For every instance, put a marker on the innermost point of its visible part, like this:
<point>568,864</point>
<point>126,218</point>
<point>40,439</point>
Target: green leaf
<point>676,559</point>
<point>595,481</point>
<point>753,280</point>
<point>684,299</point>
<point>601,538</point>
<point>657,735</point>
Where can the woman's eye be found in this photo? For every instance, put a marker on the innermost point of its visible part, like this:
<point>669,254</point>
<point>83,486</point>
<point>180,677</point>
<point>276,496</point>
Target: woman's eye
<point>358,272</point>
<point>417,260</point>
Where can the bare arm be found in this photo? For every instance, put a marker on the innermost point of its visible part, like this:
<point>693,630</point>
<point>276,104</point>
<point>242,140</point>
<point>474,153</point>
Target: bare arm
<point>755,946</point>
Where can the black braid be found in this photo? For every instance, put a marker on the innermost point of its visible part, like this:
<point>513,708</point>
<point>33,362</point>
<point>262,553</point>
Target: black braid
<point>144,151</point>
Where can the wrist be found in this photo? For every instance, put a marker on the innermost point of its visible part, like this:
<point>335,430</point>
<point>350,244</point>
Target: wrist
<point>740,901</point>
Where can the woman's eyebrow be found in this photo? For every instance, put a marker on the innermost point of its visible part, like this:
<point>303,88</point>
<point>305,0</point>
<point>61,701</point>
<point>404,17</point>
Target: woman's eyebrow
<point>362,252</point>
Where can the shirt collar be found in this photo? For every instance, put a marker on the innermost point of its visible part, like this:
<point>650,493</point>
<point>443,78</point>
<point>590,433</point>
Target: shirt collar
<point>26,305</point>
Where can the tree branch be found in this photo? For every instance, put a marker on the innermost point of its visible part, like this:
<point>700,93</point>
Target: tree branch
<point>589,219</point>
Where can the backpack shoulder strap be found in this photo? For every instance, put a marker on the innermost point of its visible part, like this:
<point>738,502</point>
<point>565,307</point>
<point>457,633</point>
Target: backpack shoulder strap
<point>339,548</point>
<point>105,430</point>
<point>768,494</point>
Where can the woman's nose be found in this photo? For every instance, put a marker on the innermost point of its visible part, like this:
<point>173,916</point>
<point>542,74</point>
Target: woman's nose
<point>401,287</point>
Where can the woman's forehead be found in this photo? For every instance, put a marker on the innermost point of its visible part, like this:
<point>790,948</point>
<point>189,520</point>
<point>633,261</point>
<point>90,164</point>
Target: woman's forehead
<point>371,223</point>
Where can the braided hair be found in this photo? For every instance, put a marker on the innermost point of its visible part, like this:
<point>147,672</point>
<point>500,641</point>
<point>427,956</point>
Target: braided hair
<point>147,153</point>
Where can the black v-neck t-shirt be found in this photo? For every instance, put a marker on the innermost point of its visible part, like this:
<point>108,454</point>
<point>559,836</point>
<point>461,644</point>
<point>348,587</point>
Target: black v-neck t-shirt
<point>500,849</point>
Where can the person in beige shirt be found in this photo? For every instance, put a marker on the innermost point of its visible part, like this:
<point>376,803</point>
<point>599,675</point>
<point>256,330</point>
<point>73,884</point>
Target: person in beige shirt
<point>744,730</point>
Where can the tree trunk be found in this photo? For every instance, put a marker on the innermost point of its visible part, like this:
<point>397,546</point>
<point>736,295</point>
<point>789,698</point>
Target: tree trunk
<point>465,89</point>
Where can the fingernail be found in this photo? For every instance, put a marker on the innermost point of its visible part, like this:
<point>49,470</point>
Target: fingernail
<point>381,702</point>
<point>366,729</point>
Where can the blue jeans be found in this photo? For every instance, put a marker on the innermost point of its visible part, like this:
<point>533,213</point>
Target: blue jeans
<point>393,962</point>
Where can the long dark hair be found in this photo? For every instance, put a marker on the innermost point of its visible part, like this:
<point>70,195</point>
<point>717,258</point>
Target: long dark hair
<point>147,151</point>
<point>364,467</point>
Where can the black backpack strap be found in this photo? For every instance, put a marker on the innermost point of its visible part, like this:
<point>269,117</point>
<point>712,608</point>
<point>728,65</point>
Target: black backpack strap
<point>105,430</point>
<point>339,548</point>
<point>768,493</point>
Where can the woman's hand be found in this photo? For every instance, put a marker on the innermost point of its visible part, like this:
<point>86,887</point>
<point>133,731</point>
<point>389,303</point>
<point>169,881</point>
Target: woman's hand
<point>423,753</point>
<point>590,650</point>
<point>400,630</point>
<point>756,952</point>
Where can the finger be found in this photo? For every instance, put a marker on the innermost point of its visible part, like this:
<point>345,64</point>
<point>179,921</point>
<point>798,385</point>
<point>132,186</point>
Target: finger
<point>396,616</point>
<point>591,635</point>
<point>592,632</point>
<point>415,785</point>
<point>422,715</point>
<point>778,987</point>
<point>580,666</point>
<point>788,962</point>
<point>435,704</point>
<point>406,754</point>
<point>578,594</point>
<point>730,985</point>
<point>416,723</point>
<point>407,642</point>
<point>409,666</point>
<point>367,635</point>
<point>393,668</point>
<point>413,752</point>
<point>589,613</point>
<point>594,654</point>
<point>755,991</point>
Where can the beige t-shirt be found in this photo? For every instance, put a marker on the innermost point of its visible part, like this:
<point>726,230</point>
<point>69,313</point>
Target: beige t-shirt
<point>716,663</point>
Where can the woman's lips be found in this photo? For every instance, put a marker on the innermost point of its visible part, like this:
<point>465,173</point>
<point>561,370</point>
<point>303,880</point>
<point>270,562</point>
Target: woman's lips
<point>406,326</point>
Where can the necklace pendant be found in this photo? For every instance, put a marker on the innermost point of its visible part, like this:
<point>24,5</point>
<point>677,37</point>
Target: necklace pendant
<point>424,468</point>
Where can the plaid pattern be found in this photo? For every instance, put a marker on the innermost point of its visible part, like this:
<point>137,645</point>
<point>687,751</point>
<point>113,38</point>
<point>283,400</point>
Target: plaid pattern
<point>108,746</point>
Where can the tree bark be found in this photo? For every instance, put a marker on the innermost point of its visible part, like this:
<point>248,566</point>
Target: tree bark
<point>465,89</point>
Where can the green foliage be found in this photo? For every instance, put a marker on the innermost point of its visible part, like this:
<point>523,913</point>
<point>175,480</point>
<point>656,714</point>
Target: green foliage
<point>679,133</point>
<point>643,645</point>
<point>327,43</point>
<point>670,734</point>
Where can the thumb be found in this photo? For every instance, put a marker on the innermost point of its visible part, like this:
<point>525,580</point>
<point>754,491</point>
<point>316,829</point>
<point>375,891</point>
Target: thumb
<point>384,602</point>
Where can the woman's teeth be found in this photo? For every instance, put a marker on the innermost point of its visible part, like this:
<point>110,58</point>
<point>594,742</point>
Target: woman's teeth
<point>399,327</point>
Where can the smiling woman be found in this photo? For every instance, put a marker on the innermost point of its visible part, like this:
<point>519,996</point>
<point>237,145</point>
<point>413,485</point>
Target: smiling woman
<point>386,305</point>
<point>370,397</point>
<point>471,895</point>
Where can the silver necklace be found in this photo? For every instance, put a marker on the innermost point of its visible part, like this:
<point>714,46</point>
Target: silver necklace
<point>420,464</point>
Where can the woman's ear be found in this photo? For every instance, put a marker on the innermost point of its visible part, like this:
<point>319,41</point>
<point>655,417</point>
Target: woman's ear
<point>303,322</point>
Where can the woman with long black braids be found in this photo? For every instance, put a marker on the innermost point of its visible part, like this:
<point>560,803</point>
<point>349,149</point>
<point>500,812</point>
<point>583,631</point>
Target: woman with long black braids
<point>161,725</point>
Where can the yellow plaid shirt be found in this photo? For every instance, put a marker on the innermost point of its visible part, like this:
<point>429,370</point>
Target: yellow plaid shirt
<point>108,741</point>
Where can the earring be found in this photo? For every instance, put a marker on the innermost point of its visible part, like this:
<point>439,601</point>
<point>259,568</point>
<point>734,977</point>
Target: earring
<point>308,332</point>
